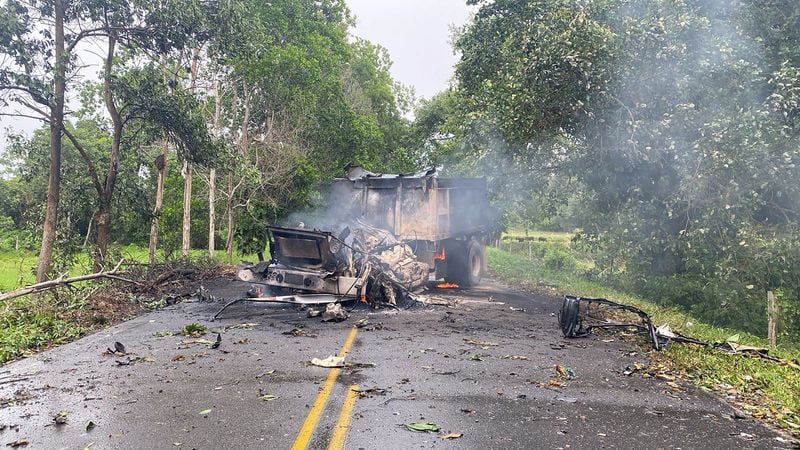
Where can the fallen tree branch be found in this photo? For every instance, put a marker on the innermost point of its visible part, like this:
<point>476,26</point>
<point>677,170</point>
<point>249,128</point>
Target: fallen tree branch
<point>45,285</point>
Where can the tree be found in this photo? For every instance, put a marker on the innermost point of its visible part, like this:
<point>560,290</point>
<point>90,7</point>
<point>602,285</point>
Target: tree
<point>40,91</point>
<point>669,116</point>
<point>158,30</point>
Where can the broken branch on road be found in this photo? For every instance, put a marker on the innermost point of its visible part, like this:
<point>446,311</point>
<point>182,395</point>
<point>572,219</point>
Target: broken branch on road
<point>61,281</point>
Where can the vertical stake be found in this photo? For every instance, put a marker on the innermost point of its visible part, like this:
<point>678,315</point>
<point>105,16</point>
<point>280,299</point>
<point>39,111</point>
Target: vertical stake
<point>772,315</point>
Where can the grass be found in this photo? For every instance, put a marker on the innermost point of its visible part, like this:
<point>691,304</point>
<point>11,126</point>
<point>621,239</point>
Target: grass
<point>32,323</point>
<point>17,268</point>
<point>35,322</point>
<point>549,236</point>
<point>767,390</point>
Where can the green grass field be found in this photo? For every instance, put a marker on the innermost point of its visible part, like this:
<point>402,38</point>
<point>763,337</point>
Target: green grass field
<point>18,269</point>
<point>767,390</point>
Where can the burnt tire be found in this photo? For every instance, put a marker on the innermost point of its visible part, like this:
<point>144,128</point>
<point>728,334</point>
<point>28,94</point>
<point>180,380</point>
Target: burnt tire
<point>473,264</point>
<point>569,317</point>
<point>465,263</point>
<point>455,262</point>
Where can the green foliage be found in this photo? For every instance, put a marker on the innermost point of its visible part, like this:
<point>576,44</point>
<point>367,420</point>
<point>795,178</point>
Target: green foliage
<point>674,125</point>
<point>32,322</point>
<point>193,329</point>
<point>556,258</point>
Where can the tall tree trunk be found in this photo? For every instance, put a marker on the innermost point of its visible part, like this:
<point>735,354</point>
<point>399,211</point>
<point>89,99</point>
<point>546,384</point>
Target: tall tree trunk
<point>56,124</point>
<point>212,214</point>
<point>187,173</point>
<point>229,216</point>
<point>161,166</point>
<point>212,179</point>
<point>104,202</point>
<point>187,209</point>
<point>244,144</point>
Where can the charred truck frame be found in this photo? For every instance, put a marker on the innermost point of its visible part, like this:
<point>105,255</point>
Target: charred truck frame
<point>392,234</point>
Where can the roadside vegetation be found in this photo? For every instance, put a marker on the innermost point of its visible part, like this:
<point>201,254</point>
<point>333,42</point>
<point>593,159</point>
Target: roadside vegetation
<point>766,390</point>
<point>32,323</point>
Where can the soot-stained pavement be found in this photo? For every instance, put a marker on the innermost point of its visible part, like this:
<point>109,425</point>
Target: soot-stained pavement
<point>491,370</point>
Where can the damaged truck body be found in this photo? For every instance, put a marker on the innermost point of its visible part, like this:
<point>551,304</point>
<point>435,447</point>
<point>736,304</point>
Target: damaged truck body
<point>390,234</point>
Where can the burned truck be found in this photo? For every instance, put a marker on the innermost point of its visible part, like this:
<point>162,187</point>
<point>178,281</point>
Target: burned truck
<point>388,236</point>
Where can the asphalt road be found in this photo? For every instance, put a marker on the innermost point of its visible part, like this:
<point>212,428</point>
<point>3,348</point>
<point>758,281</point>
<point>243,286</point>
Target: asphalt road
<point>427,364</point>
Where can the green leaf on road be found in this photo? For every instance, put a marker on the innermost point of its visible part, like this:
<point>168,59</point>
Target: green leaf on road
<point>269,397</point>
<point>422,427</point>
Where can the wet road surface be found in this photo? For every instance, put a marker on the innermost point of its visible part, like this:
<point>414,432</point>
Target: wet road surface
<point>482,369</point>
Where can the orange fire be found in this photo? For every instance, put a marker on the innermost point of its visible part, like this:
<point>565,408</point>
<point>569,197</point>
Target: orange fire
<point>447,286</point>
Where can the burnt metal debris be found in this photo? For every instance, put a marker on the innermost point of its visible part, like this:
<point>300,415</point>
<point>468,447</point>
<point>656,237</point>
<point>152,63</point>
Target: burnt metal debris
<point>579,315</point>
<point>392,234</point>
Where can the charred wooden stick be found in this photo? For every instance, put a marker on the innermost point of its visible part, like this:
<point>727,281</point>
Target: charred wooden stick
<point>60,281</point>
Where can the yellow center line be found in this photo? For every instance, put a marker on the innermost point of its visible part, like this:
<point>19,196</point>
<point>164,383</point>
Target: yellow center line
<point>343,424</point>
<point>304,435</point>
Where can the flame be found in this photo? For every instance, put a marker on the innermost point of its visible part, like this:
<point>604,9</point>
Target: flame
<point>447,286</point>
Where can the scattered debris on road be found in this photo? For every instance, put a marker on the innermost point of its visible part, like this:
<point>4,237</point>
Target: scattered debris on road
<point>18,443</point>
<point>579,315</point>
<point>334,313</point>
<point>329,362</point>
<point>451,435</point>
<point>422,427</point>
<point>563,372</point>
<point>368,393</point>
<point>194,330</point>
<point>60,418</point>
<point>217,342</point>
<point>298,332</point>
<point>481,344</point>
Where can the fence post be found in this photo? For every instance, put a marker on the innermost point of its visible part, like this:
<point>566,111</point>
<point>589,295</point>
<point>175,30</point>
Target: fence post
<point>772,315</point>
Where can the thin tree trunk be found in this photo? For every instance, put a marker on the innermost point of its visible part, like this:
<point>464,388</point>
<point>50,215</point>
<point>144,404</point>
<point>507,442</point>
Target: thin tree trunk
<point>244,144</point>
<point>212,179</point>
<point>212,214</point>
<point>104,203</point>
<point>88,232</point>
<point>187,208</point>
<point>187,173</point>
<point>56,124</point>
<point>229,216</point>
<point>161,166</point>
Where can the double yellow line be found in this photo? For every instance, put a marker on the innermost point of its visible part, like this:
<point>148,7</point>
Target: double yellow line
<point>340,431</point>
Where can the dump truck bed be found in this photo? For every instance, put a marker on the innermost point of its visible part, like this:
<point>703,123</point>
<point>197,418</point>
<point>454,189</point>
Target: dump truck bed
<point>420,206</point>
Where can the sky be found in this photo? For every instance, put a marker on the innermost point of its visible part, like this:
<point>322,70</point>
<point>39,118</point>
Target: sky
<point>416,33</point>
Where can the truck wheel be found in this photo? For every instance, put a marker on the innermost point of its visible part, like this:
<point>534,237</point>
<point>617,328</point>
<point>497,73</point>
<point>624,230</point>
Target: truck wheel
<point>455,262</point>
<point>472,264</point>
